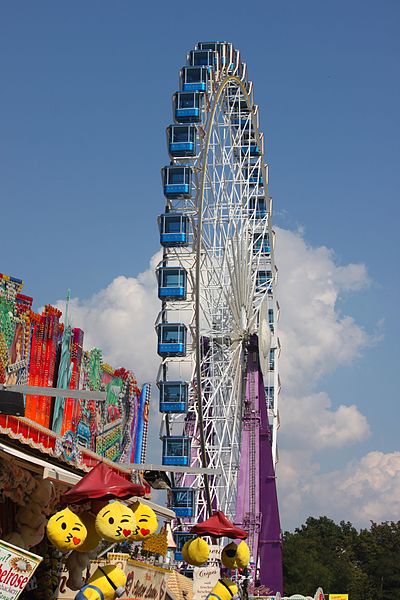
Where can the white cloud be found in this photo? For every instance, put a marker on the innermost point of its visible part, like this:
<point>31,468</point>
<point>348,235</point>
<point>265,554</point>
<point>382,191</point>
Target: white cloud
<point>316,339</point>
<point>120,320</point>
<point>366,490</point>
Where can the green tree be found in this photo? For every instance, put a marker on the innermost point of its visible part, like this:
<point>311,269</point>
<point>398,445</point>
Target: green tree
<point>322,553</point>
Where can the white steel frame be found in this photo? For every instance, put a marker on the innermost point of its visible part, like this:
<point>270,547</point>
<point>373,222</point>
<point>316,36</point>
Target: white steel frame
<point>223,302</point>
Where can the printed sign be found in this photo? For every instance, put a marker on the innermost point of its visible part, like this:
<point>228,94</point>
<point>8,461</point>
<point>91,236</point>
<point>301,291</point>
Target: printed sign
<point>16,568</point>
<point>338,597</point>
<point>204,579</point>
<point>145,582</point>
<point>215,554</point>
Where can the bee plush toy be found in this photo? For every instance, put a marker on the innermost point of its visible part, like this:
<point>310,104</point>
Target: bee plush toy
<point>106,583</point>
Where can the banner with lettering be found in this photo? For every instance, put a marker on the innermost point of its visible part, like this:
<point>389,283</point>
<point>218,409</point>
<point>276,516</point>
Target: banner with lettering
<point>204,579</point>
<point>144,582</point>
<point>16,568</point>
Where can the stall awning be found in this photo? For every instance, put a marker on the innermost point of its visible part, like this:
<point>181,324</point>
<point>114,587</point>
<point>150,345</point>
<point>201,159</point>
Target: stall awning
<point>39,465</point>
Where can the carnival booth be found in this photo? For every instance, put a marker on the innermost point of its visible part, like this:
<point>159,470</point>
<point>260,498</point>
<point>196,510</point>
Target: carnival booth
<point>94,414</point>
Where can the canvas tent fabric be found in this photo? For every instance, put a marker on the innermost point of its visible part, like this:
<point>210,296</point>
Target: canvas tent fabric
<point>219,526</point>
<point>102,483</point>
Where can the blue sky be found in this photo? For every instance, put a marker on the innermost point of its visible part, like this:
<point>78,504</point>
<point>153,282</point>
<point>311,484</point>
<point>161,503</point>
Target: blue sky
<point>86,96</point>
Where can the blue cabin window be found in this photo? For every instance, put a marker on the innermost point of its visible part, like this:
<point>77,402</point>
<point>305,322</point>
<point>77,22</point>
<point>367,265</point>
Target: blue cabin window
<point>171,283</point>
<point>177,181</point>
<point>171,339</point>
<point>181,140</point>
<point>269,397</point>
<point>271,319</point>
<point>261,243</point>
<point>253,174</point>
<point>176,450</point>
<point>173,396</point>
<point>187,107</point>
<point>216,46</point>
<point>202,58</point>
<point>181,537</point>
<point>258,205</point>
<point>272,359</point>
<point>182,501</point>
<point>264,281</point>
<point>238,102</point>
<point>194,79</point>
<point>174,228</point>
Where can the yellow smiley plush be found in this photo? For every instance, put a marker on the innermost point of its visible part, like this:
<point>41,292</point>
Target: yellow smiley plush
<point>115,522</point>
<point>235,556</point>
<point>66,530</point>
<point>196,552</point>
<point>146,522</point>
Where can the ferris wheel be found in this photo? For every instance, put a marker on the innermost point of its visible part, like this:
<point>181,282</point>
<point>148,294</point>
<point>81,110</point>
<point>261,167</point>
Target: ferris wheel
<point>216,328</point>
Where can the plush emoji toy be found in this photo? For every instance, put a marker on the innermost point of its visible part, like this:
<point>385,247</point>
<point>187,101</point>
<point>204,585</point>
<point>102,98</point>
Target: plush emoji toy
<point>106,583</point>
<point>66,530</point>
<point>184,552</point>
<point>224,589</point>
<point>235,556</point>
<point>115,522</point>
<point>242,555</point>
<point>196,552</point>
<point>146,522</point>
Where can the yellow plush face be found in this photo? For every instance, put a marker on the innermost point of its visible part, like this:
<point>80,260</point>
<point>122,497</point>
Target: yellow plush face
<point>235,555</point>
<point>228,556</point>
<point>108,578</point>
<point>242,555</point>
<point>92,538</point>
<point>115,522</point>
<point>66,530</point>
<point>197,552</point>
<point>146,522</point>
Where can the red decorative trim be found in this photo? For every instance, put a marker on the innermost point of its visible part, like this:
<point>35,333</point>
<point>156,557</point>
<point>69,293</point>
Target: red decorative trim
<point>40,438</point>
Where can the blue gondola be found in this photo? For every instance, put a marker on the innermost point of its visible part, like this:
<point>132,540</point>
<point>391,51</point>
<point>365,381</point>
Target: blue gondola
<point>187,107</point>
<point>202,58</point>
<point>176,450</point>
<point>194,79</point>
<point>171,339</point>
<point>271,319</point>
<point>181,140</point>
<point>253,175</point>
<point>258,205</point>
<point>181,537</point>
<point>182,501</point>
<point>177,181</point>
<point>261,243</point>
<point>173,396</point>
<point>269,397</point>
<point>225,50</point>
<point>172,283</point>
<point>174,230</point>
<point>264,281</point>
<point>252,150</point>
<point>216,46</point>
<point>272,359</point>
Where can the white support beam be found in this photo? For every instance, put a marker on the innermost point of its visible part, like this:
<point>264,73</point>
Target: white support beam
<point>53,392</point>
<point>171,469</point>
